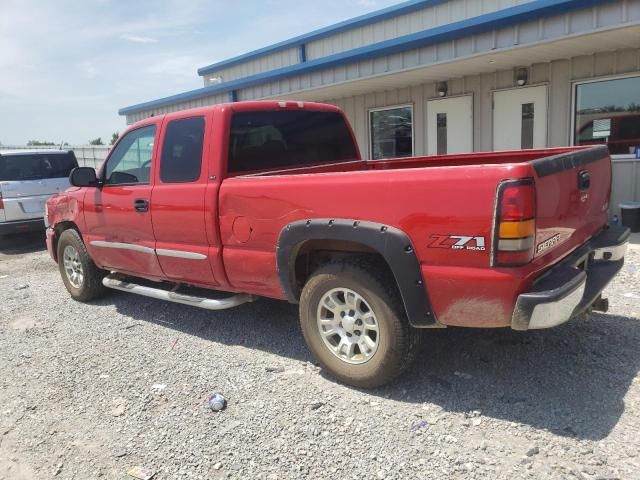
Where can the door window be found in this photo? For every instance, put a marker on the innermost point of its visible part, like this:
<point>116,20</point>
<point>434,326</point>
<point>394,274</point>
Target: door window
<point>182,151</point>
<point>528,117</point>
<point>441,120</point>
<point>130,162</point>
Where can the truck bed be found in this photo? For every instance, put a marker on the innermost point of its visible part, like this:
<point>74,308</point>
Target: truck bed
<point>459,160</point>
<point>426,197</point>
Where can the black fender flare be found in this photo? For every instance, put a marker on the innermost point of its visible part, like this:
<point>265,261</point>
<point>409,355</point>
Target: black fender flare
<point>391,243</point>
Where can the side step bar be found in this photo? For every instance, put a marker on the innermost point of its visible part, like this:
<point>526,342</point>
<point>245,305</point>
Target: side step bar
<point>115,281</point>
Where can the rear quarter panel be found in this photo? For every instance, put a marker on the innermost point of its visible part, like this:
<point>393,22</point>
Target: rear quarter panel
<point>427,204</point>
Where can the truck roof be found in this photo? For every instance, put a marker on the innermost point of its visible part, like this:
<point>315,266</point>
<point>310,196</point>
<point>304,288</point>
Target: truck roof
<point>244,107</point>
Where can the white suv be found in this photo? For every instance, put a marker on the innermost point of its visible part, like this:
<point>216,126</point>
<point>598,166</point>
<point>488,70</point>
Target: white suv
<point>27,179</point>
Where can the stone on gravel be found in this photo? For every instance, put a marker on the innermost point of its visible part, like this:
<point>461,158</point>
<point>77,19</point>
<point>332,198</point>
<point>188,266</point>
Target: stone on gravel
<point>533,451</point>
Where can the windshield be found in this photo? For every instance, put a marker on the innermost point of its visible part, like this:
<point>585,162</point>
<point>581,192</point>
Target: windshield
<point>36,166</point>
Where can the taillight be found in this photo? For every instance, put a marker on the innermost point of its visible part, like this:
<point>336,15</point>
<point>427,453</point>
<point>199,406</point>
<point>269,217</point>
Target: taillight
<point>515,223</point>
<point>1,202</point>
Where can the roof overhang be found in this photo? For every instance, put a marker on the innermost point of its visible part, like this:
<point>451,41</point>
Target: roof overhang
<point>368,19</point>
<point>570,47</point>
<point>473,26</point>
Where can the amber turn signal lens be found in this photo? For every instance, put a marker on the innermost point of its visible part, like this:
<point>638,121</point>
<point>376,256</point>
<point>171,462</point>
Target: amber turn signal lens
<point>517,229</point>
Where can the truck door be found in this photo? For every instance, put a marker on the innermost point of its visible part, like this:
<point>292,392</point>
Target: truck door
<point>119,234</point>
<point>178,206</point>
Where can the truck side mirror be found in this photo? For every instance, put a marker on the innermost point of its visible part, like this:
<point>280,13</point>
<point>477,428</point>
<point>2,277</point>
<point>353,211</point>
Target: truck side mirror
<point>83,177</point>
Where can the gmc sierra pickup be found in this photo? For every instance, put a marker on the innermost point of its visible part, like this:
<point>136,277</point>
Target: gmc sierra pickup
<point>273,199</point>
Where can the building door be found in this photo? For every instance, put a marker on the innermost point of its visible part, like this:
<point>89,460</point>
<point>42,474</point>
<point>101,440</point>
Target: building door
<point>520,118</point>
<point>450,125</point>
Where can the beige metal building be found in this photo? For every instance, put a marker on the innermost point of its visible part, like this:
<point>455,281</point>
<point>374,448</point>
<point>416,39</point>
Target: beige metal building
<point>454,76</point>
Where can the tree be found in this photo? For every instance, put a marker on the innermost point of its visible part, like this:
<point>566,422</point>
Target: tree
<point>114,138</point>
<point>96,141</point>
<point>37,143</point>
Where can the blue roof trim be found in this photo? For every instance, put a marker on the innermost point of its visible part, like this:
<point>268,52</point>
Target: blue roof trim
<point>502,18</point>
<point>377,16</point>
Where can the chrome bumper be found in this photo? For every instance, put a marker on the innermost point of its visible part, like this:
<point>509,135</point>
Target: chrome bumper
<point>571,287</point>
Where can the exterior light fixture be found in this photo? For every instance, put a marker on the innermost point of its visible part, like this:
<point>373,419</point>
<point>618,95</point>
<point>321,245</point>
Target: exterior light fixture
<point>215,80</point>
<point>522,76</point>
<point>443,89</point>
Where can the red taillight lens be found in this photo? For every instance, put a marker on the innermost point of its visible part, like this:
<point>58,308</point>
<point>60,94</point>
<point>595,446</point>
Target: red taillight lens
<point>1,202</point>
<point>515,230</point>
<point>518,203</point>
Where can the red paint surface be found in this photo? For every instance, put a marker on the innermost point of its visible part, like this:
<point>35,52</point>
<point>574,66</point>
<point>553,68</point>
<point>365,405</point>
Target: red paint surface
<point>236,221</point>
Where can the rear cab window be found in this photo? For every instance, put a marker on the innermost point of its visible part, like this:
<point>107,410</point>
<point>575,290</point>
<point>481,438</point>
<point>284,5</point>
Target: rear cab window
<point>36,166</point>
<point>271,140</point>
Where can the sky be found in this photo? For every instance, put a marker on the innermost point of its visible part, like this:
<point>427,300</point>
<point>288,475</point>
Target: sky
<point>66,67</point>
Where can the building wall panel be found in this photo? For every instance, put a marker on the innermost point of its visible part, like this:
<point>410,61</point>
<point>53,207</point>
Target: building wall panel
<point>558,75</point>
<point>253,67</point>
<point>609,14</point>
<point>430,17</point>
<point>633,10</point>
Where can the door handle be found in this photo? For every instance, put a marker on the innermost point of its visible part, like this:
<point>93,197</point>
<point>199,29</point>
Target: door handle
<point>141,205</point>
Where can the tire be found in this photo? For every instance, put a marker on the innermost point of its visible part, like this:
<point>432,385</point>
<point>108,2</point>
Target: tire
<point>88,285</point>
<point>378,302</point>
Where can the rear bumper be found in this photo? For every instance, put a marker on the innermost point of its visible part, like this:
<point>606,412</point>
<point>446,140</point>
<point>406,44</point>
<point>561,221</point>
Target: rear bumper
<point>21,226</point>
<point>572,286</point>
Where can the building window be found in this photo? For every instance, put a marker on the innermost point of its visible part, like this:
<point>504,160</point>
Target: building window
<point>607,112</point>
<point>391,132</point>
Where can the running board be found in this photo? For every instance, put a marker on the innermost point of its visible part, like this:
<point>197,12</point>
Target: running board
<point>114,281</point>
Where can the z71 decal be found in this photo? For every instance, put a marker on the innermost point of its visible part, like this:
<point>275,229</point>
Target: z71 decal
<point>458,242</point>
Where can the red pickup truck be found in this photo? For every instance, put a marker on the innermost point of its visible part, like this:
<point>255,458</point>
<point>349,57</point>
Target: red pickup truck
<point>273,199</point>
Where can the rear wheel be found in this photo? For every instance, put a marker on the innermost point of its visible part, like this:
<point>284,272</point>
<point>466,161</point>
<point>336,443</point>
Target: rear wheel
<point>81,277</point>
<point>355,325</point>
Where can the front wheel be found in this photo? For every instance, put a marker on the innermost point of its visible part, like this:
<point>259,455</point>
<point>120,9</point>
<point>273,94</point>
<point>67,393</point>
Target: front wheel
<point>80,275</point>
<point>354,323</point>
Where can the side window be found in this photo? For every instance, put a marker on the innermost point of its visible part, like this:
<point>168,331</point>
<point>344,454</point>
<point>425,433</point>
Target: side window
<point>130,162</point>
<point>182,151</point>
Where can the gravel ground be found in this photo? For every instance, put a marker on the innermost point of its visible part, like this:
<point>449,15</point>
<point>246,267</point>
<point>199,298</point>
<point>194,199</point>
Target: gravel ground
<point>87,391</point>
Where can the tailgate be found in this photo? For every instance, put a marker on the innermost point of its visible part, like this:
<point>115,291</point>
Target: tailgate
<point>573,191</point>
